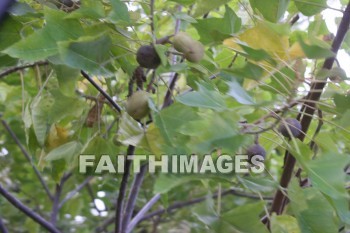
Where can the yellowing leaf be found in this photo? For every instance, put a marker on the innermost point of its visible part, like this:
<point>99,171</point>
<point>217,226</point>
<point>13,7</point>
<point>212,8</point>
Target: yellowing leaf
<point>57,136</point>
<point>295,51</point>
<point>263,36</point>
<point>153,140</point>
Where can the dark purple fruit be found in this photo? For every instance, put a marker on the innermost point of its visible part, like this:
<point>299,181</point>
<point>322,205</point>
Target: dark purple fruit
<point>255,149</point>
<point>290,127</point>
<point>147,57</point>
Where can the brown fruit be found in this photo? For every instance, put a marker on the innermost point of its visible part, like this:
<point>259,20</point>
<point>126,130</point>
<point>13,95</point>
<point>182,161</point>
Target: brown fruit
<point>137,105</point>
<point>255,149</point>
<point>147,57</point>
<point>290,127</point>
<point>192,50</point>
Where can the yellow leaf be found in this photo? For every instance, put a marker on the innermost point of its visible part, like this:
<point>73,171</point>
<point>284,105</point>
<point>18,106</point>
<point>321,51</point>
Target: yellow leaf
<point>57,136</point>
<point>295,51</point>
<point>261,36</point>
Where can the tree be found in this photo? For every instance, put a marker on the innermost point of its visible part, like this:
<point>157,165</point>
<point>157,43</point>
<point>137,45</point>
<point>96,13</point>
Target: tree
<point>83,82</point>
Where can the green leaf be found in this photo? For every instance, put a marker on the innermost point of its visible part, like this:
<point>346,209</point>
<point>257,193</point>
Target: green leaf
<point>210,32</point>
<point>327,175</point>
<point>236,220</point>
<point>43,43</point>
<point>161,51</point>
<point>65,151</point>
<point>119,12</point>
<point>40,109</point>
<point>10,29</point>
<point>166,183</point>
<point>272,10</point>
<point>237,92</point>
<point>89,9</point>
<point>315,51</point>
<point>98,146</point>
<point>221,131</point>
<point>257,184</point>
<point>184,2</point>
<point>185,17</point>
<point>59,108</point>
<point>309,8</point>
<point>284,224</point>
<point>170,119</point>
<point>130,132</point>
<point>342,102</point>
<point>66,77</point>
<point>205,97</point>
<point>204,6</point>
<point>88,53</point>
<point>311,209</point>
<point>21,8</point>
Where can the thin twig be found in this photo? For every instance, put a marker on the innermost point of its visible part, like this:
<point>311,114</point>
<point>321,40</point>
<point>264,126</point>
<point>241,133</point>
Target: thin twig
<point>142,212</point>
<point>134,191</point>
<point>178,205</point>
<point>75,191</point>
<point>3,228</point>
<point>18,68</point>
<point>122,190</point>
<point>55,205</point>
<point>4,6</point>
<point>110,100</point>
<point>28,157</point>
<point>27,211</point>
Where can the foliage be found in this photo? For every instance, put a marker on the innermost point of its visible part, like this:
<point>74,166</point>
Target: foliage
<point>261,65</point>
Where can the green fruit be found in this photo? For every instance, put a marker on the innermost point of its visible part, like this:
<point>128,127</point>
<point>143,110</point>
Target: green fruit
<point>182,42</point>
<point>255,149</point>
<point>290,127</point>
<point>147,57</point>
<point>137,105</point>
<point>192,50</point>
<point>196,52</point>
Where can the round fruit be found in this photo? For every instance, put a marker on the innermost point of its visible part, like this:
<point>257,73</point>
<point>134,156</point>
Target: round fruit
<point>182,42</point>
<point>192,50</point>
<point>290,126</point>
<point>196,52</point>
<point>147,57</point>
<point>137,105</point>
<point>255,149</point>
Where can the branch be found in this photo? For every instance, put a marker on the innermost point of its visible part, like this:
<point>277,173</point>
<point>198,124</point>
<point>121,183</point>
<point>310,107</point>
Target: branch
<point>27,211</point>
<point>134,191</point>
<point>3,228</point>
<point>55,208</point>
<point>75,191</point>
<point>179,205</point>
<point>4,6</point>
<point>28,157</point>
<point>142,212</point>
<point>55,205</point>
<point>17,68</point>
<point>169,93</point>
<point>122,190</point>
<point>307,112</point>
<point>110,100</point>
